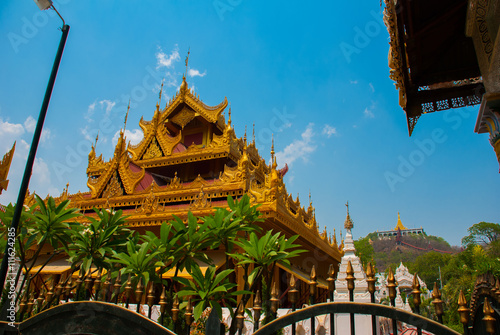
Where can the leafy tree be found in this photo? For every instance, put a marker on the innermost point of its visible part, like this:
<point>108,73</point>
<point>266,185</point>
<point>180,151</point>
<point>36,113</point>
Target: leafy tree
<point>482,233</point>
<point>427,266</point>
<point>365,251</point>
<point>46,224</point>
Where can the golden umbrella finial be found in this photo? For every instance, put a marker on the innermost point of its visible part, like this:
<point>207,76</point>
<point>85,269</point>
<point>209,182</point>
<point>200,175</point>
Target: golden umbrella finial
<point>391,285</point>
<point>370,274</point>
<point>438,303</point>
<point>293,292</point>
<point>331,278</point>
<point>416,291</point>
<point>175,309</point>
<point>348,224</point>
<point>488,318</point>
<point>257,308</point>
<point>274,298</point>
<point>462,309</point>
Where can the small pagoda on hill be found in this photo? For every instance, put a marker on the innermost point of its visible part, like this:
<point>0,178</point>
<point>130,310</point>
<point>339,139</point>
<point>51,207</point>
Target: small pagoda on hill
<point>191,160</point>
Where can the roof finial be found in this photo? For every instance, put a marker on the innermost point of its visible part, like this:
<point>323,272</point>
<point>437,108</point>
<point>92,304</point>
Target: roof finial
<point>126,117</point>
<point>310,201</point>
<point>245,137</point>
<point>272,147</point>
<point>348,224</point>
<point>161,90</point>
<point>253,134</point>
<point>96,138</point>
<point>187,60</point>
<point>229,116</point>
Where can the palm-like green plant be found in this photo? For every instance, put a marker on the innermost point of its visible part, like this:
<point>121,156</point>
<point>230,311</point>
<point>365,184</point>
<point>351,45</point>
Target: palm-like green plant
<point>47,224</point>
<point>264,252</point>
<point>139,259</point>
<point>192,240</point>
<point>225,226</point>
<point>94,243</point>
<point>208,290</point>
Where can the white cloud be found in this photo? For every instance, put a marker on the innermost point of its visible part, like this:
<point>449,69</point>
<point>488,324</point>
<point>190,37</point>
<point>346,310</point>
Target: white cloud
<point>41,173</point>
<point>30,124</point>
<point>371,87</point>
<point>46,135</point>
<point>86,134</point>
<point>299,148</point>
<point>90,112</point>
<point>368,113</point>
<point>134,136</point>
<point>92,107</point>
<point>196,73</point>
<point>108,104</point>
<point>41,179</point>
<point>165,60</point>
<point>10,131</point>
<point>329,130</point>
<point>354,82</point>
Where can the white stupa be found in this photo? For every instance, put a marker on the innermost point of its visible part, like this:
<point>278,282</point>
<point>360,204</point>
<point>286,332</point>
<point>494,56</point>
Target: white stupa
<point>361,293</point>
<point>342,321</point>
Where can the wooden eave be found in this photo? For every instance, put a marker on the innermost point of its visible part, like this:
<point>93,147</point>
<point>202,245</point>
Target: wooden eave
<point>437,67</point>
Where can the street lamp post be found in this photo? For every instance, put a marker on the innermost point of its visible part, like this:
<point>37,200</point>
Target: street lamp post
<point>42,4</point>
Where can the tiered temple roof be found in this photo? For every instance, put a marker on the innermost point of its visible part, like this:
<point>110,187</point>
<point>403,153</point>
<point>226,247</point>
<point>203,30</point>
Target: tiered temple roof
<point>190,160</point>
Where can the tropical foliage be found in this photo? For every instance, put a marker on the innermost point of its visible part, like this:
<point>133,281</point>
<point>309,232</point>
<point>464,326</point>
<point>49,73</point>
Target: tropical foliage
<point>103,241</point>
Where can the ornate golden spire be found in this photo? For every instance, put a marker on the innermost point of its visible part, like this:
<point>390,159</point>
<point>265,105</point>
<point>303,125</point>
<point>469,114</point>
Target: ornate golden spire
<point>253,134</point>
<point>126,117</point>
<point>184,86</point>
<point>399,225</point>
<point>245,137</point>
<point>348,224</point>
<point>96,138</point>
<point>187,60</point>
<point>161,90</point>
<point>272,148</point>
<point>5,167</point>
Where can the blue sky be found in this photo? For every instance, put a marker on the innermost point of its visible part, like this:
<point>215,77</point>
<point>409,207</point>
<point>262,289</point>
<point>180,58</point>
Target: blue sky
<point>315,76</point>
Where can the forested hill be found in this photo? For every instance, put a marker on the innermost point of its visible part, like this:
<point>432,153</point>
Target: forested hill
<point>387,251</point>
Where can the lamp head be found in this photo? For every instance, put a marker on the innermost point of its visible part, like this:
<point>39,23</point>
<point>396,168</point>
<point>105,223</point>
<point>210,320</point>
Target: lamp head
<point>43,4</point>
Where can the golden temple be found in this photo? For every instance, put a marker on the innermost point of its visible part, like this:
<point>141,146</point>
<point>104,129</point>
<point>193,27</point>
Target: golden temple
<point>191,160</point>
